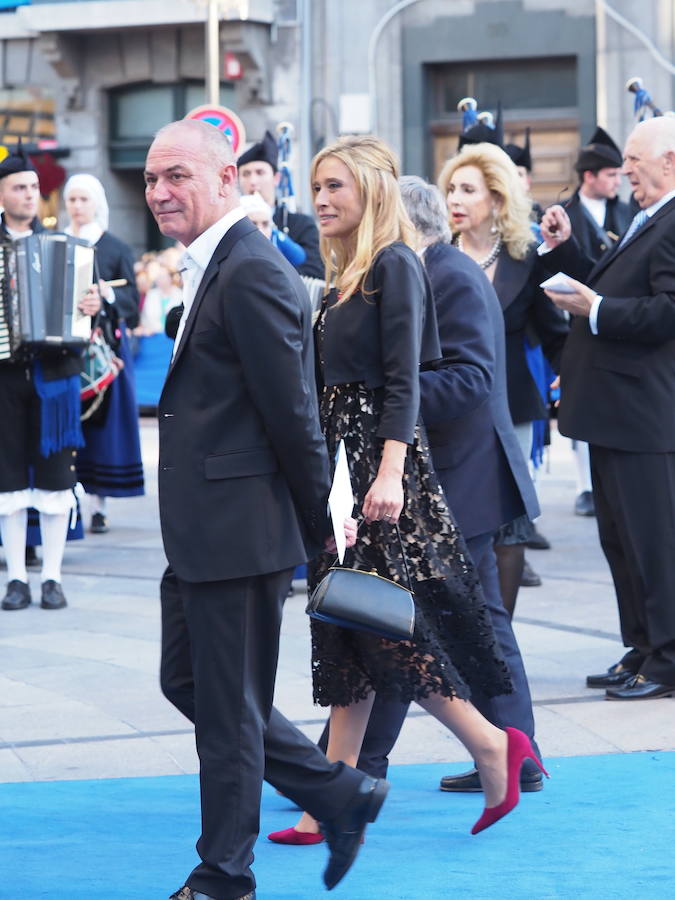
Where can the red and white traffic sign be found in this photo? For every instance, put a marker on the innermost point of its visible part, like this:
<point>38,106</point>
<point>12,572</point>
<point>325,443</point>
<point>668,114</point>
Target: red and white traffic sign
<point>224,120</point>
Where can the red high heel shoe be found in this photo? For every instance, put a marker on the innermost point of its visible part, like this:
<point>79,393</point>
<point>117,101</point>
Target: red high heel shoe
<point>295,837</point>
<point>518,749</point>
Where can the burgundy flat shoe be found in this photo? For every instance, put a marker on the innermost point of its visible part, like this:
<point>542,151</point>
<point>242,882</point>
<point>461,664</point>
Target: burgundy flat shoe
<point>295,837</point>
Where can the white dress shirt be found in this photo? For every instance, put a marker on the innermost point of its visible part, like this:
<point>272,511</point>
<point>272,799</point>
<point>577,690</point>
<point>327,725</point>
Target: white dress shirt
<point>597,208</point>
<point>195,260</point>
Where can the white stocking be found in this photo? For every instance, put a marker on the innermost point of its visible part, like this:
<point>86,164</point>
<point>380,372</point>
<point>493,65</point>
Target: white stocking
<point>13,531</point>
<point>54,528</point>
<point>583,461</point>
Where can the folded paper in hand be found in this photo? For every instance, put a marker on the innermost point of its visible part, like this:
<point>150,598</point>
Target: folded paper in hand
<point>558,283</point>
<point>341,500</point>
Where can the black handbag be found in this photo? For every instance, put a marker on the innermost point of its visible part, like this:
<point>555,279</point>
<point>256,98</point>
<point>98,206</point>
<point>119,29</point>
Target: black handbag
<point>365,601</point>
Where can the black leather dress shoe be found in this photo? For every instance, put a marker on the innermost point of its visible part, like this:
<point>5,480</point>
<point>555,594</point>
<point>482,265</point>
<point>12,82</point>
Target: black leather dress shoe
<point>469,782</point>
<point>584,505</point>
<point>186,893</point>
<point>537,541</point>
<point>52,595</point>
<point>615,676</point>
<point>17,596</point>
<point>640,688</point>
<point>343,834</point>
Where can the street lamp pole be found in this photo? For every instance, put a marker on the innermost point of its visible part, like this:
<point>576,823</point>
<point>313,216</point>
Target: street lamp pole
<point>212,54</point>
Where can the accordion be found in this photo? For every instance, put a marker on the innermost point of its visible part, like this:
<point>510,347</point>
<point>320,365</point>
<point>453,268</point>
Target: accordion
<point>43,277</point>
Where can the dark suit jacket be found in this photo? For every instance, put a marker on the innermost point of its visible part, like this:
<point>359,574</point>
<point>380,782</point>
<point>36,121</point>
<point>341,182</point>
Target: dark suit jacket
<point>303,230</point>
<point>618,386</point>
<point>527,310</point>
<point>617,219</point>
<point>464,404</point>
<point>243,468</point>
<point>381,335</point>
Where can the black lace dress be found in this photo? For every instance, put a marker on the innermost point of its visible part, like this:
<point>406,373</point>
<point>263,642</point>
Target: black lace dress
<point>454,651</point>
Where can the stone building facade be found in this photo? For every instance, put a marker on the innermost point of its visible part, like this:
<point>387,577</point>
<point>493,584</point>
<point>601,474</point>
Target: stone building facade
<point>101,75</point>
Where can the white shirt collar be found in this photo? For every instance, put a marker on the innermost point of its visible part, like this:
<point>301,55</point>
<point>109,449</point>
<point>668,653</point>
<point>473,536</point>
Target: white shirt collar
<point>597,207</point>
<point>655,207</point>
<point>203,247</point>
<point>91,232</point>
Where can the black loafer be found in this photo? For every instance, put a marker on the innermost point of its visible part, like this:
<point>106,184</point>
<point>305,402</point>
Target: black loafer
<point>529,578</point>
<point>17,596</point>
<point>469,782</point>
<point>615,676</point>
<point>52,595</point>
<point>99,524</point>
<point>186,893</point>
<point>538,541</point>
<point>343,834</point>
<point>584,505</point>
<point>640,688</point>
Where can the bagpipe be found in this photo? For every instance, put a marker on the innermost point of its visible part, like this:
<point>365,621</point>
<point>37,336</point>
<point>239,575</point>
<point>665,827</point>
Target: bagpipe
<point>643,100</point>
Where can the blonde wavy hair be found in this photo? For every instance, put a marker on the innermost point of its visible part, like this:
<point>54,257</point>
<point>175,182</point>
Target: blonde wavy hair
<point>513,206</point>
<point>375,170</point>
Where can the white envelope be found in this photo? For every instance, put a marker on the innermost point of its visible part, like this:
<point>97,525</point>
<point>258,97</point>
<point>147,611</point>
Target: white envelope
<point>340,500</point>
<point>558,283</point>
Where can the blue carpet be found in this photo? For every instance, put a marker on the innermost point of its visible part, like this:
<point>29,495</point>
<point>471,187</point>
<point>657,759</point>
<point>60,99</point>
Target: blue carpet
<point>601,829</point>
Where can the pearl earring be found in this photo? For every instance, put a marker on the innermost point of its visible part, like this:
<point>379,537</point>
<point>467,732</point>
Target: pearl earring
<point>493,227</point>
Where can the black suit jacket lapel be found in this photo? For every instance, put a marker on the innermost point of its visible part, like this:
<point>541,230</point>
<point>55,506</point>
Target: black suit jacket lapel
<point>231,236</point>
<point>611,255</point>
<point>510,277</point>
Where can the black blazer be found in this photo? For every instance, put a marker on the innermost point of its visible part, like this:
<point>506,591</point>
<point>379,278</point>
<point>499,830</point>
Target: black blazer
<point>303,230</point>
<point>527,310</point>
<point>243,468</point>
<point>618,217</point>
<point>114,259</point>
<point>380,337</point>
<point>464,404</point>
<point>618,386</point>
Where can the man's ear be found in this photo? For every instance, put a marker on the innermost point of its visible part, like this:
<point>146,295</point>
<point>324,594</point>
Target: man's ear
<point>229,180</point>
<point>277,178</point>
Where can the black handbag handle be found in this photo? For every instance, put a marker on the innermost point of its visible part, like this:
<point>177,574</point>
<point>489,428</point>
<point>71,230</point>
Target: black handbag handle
<point>403,556</point>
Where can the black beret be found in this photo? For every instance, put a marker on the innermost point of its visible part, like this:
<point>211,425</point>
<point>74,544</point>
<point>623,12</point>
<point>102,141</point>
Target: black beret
<point>521,156</point>
<point>264,151</point>
<point>480,133</point>
<point>600,153</point>
<point>16,162</point>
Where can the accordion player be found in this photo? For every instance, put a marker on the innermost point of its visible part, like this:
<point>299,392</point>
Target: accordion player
<point>42,279</point>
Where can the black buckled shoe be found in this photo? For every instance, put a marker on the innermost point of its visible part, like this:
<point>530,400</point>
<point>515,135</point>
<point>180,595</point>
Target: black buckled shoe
<point>615,676</point>
<point>640,688</point>
<point>529,577</point>
<point>469,782</point>
<point>99,524</point>
<point>52,595</point>
<point>17,596</point>
<point>343,834</point>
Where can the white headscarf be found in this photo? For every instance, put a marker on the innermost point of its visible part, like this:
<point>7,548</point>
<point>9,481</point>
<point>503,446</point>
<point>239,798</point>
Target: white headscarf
<point>91,186</point>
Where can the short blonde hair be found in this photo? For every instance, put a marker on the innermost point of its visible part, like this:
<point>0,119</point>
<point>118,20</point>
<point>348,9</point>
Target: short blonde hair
<point>375,170</point>
<point>502,180</point>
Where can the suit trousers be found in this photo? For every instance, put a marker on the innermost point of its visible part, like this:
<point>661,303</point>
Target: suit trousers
<point>220,645</point>
<point>514,709</point>
<point>635,511</point>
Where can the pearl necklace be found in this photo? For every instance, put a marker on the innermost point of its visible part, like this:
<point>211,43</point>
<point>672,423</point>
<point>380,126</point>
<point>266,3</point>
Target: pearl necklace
<point>490,258</point>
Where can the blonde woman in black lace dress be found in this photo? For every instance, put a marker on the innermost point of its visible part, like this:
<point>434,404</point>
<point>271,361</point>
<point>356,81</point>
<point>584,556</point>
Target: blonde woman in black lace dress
<point>375,327</point>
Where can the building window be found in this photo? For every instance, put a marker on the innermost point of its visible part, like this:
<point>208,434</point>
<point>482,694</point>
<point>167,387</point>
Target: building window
<point>520,84</point>
<point>137,112</point>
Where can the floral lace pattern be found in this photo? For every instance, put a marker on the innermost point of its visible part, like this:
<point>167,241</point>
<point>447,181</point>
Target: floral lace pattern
<point>454,650</point>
